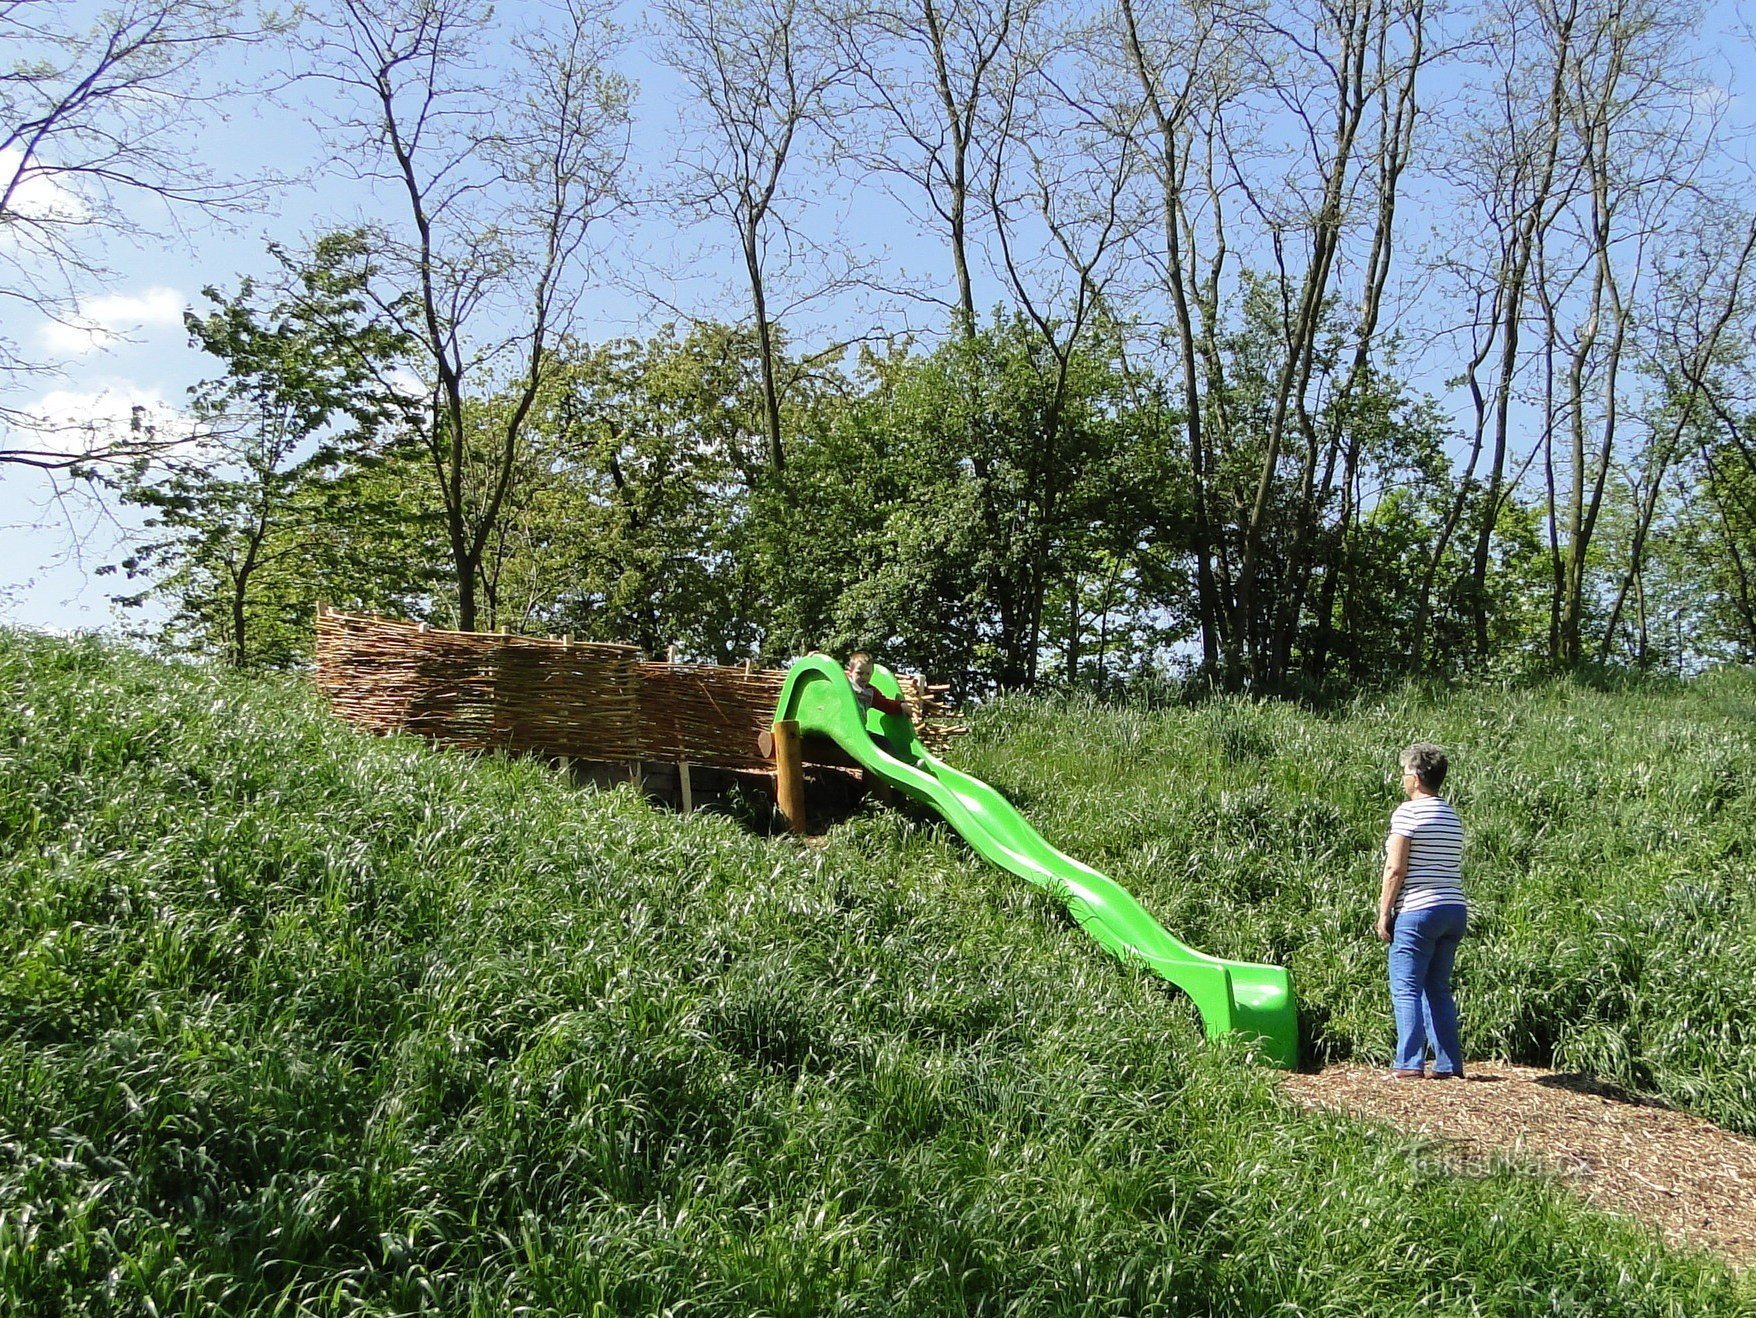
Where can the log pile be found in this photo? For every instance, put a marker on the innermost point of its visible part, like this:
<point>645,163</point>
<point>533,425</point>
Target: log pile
<point>555,697</point>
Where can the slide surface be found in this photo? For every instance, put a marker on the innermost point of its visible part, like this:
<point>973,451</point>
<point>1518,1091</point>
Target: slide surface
<point>1241,996</point>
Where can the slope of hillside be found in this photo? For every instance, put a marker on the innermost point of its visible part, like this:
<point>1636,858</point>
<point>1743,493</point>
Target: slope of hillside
<point>295,1021</point>
<point>1611,839</point>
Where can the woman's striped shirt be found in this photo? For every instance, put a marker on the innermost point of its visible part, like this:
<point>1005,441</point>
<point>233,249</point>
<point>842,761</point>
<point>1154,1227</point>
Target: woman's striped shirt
<point>1435,853</point>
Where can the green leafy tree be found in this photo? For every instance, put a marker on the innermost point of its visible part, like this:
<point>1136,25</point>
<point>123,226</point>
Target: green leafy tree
<point>1723,532</point>
<point>239,516</point>
<point>633,521</point>
<point>936,517</point>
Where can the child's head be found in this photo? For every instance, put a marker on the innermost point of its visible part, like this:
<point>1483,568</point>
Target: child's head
<point>860,667</point>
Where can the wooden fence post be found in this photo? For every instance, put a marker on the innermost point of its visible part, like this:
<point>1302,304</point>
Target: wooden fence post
<point>684,787</point>
<point>789,774</point>
<point>565,762</point>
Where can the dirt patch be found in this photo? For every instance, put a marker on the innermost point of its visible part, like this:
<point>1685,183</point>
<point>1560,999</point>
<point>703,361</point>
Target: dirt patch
<point>1688,1178</point>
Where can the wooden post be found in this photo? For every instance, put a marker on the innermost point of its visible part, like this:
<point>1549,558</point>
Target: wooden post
<point>683,785</point>
<point>565,762</point>
<point>789,774</point>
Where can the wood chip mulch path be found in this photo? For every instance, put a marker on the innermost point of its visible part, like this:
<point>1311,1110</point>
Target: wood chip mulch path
<point>1688,1178</point>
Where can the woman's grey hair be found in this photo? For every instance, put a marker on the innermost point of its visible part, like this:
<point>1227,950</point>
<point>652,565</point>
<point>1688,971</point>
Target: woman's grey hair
<point>1427,763</point>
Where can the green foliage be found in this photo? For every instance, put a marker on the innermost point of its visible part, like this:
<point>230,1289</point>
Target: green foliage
<point>297,1021</point>
<point>1719,541</point>
<point>931,507</point>
<point>943,512</point>
<point>1002,510</point>
<point>245,522</point>
<point>657,444</point>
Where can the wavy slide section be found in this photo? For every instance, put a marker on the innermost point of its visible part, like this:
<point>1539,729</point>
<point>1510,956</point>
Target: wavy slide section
<point>1233,996</point>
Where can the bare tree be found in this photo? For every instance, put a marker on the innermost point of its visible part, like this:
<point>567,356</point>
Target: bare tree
<point>1506,159</point>
<point>1703,295</point>
<point>763,74</point>
<point>1577,144</point>
<point>100,115</point>
<point>1392,60</point>
<point>1627,93</point>
<point>1054,186</point>
<point>502,173</point>
<point>1293,126</point>
<point>1182,61</point>
<point>935,81</point>
<point>1351,53</point>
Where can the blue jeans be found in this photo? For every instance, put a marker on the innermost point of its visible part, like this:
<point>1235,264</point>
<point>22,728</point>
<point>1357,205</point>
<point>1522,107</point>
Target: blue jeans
<point>1423,946</point>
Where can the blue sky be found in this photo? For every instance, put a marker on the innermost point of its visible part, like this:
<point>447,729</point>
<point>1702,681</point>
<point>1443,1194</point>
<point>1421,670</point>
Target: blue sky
<point>136,352</point>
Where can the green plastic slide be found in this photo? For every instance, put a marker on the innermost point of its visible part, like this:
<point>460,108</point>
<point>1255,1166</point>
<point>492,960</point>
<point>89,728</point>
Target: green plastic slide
<point>1240,996</point>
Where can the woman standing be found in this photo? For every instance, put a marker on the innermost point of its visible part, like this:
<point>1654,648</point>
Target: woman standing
<point>1422,914</point>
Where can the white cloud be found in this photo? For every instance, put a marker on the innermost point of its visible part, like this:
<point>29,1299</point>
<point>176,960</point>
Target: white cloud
<point>407,383</point>
<point>74,422</point>
<point>34,194</point>
<point>100,321</point>
<point>1710,99</point>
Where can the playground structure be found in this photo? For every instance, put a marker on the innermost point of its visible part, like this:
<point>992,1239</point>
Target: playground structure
<point>605,704</point>
<point>1233,996</point>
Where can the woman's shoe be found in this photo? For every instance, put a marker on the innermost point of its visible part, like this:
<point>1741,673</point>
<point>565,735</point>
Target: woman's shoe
<point>1408,1075</point>
<point>1447,1075</point>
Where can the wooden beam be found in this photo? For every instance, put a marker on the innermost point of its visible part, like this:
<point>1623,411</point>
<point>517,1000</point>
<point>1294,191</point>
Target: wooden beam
<point>789,774</point>
<point>683,785</point>
<point>812,750</point>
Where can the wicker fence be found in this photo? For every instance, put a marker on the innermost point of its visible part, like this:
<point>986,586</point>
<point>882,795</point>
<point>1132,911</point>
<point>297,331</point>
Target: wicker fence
<point>488,691</point>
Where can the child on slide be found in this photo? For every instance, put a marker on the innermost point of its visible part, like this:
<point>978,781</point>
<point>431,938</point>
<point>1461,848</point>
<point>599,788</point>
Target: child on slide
<point>868,697</point>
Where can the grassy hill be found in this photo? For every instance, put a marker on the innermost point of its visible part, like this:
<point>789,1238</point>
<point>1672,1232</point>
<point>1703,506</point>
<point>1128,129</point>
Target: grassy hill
<point>1612,840</point>
<point>294,1021</point>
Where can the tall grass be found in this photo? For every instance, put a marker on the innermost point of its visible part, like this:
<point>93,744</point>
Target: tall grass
<point>297,1022</point>
<point>1611,842</point>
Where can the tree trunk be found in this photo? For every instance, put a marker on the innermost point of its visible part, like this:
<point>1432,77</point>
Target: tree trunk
<point>1073,628</point>
<point>764,348</point>
<point>1528,231</point>
<point>1169,117</point>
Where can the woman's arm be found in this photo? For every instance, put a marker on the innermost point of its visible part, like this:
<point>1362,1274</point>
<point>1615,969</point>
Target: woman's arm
<point>1395,871</point>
